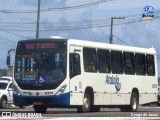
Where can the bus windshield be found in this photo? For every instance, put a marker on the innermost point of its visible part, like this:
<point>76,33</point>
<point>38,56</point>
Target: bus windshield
<point>40,66</point>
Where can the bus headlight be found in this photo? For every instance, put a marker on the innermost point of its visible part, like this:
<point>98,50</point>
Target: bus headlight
<point>15,90</point>
<point>61,90</point>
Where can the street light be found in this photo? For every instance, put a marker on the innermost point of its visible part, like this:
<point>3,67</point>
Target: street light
<point>111,34</point>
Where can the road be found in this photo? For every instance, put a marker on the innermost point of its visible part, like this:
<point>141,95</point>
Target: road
<point>65,113</point>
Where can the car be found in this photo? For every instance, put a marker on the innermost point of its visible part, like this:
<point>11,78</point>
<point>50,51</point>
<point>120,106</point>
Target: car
<point>6,93</point>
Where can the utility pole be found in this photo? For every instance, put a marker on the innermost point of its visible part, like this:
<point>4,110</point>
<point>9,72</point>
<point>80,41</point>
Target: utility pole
<point>38,20</point>
<point>111,31</point>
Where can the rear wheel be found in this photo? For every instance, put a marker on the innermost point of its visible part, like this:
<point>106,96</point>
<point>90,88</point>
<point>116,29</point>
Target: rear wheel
<point>3,102</point>
<point>133,104</point>
<point>40,109</point>
<point>86,104</point>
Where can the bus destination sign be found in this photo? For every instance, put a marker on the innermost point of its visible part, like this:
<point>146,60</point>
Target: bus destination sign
<point>40,45</point>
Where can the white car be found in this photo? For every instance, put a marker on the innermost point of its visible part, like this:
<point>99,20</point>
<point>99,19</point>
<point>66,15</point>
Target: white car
<point>6,93</point>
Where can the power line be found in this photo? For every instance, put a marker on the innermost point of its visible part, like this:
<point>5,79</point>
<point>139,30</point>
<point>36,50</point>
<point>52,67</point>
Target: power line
<point>21,16</point>
<point>69,27</point>
<point>73,25</point>
<point>104,37</point>
<point>77,6</point>
<point>12,33</point>
<point>122,40</point>
<point>8,39</point>
<point>58,8</point>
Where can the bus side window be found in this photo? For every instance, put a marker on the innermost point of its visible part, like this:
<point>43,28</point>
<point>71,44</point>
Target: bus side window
<point>104,65</point>
<point>140,64</point>
<point>90,59</point>
<point>117,62</point>
<point>150,65</point>
<point>74,65</point>
<point>129,67</point>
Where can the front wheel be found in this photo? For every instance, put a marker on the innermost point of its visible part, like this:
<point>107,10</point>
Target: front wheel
<point>86,104</point>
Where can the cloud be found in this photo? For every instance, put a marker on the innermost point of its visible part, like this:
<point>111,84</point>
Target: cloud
<point>142,34</point>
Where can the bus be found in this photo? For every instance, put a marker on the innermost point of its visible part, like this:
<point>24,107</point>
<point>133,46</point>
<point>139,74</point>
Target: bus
<point>69,73</point>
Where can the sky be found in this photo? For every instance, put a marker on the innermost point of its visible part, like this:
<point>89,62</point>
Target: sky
<point>79,19</point>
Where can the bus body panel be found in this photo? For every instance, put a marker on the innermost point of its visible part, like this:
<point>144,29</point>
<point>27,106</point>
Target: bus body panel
<point>55,100</point>
<point>76,98</point>
<point>104,91</point>
<point>106,94</point>
<point>47,97</point>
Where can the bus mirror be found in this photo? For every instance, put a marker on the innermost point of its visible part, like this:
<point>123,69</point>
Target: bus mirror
<point>8,60</point>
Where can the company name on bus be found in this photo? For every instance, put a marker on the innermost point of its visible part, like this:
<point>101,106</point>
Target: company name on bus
<point>112,80</point>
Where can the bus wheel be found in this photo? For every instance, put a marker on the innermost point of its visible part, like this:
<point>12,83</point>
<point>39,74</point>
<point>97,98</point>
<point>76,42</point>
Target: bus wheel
<point>86,104</point>
<point>134,102</point>
<point>40,109</point>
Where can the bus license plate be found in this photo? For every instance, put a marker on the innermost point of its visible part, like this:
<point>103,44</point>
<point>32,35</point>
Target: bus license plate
<point>38,103</point>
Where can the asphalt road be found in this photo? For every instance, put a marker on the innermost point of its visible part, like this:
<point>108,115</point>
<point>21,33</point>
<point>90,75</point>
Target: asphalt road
<point>16,113</point>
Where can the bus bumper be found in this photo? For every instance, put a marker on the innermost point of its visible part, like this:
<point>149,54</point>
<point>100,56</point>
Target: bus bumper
<point>52,101</point>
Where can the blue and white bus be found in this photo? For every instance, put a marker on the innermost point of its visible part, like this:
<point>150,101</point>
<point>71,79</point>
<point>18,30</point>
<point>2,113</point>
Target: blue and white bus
<point>66,73</point>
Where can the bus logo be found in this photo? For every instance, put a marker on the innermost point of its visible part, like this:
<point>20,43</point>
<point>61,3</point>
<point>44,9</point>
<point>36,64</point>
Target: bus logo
<point>148,13</point>
<point>118,86</point>
<point>113,81</point>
